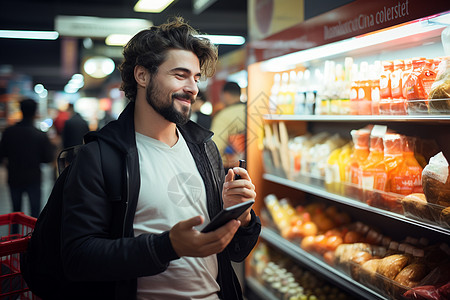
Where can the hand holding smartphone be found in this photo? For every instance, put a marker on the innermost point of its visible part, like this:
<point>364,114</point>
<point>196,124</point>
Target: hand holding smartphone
<point>242,164</point>
<point>227,214</point>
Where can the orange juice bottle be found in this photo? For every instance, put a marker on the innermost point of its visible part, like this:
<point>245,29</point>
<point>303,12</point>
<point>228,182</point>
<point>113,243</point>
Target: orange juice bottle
<point>360,153</point>
<point>373,170</point>
<point>364,91</point>
<point>393,159</point>
<point>354,86</point>
<point>374,74</point>
<point>415,93</point>
<point>353,186</point>
<point>385,79</point>
<point>409,177</point>
<point>408,69</point>
<point>396,78</point>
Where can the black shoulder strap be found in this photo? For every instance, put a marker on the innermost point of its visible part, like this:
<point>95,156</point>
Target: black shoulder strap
<point>113,172</point>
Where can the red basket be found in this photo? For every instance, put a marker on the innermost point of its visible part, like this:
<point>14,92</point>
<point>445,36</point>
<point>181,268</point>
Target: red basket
<point>14,237</point>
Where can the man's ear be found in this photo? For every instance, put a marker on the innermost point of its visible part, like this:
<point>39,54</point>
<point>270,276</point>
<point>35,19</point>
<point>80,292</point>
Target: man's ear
<point>141,75</point>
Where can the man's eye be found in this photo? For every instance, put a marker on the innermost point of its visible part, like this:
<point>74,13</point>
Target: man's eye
<point>180,75</point>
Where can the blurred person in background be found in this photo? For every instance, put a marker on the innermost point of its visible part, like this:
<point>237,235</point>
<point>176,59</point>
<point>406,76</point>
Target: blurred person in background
<point>229,125</point>
<point>197,116</point>
<point>25,147</point>
<point>74,129</point>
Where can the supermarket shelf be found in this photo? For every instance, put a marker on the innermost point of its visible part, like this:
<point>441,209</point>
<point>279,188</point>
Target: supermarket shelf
<point>298,254</point>
<point>261,291</point>
<point>357,118</point>
<point>321,192</point>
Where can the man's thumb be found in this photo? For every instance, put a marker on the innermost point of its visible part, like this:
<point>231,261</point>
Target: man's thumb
<point>192,222</point>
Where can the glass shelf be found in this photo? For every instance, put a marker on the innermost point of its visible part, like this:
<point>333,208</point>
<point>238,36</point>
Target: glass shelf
<point>358,118</point>
<point>314,263</point>
<point>321,192</point>
<point>261,291</point>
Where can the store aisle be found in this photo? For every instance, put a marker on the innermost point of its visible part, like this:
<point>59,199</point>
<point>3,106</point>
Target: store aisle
<point>5,200</point>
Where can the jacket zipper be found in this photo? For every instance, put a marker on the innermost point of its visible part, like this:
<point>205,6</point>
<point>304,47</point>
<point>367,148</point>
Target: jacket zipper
<point>127,198</point>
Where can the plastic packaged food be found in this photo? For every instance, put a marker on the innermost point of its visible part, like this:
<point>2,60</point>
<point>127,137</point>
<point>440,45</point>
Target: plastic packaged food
<point>440,90</point>
<point>436,181</point>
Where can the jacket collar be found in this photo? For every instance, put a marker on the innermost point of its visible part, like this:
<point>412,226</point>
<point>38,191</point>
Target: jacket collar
<point>121,132</point>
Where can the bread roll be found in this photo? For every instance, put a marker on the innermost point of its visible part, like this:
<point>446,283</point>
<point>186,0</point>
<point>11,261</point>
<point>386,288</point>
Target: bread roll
<point>445,217</point>
<point>411,275</point>
<point>368,272</point>
<point>416,205</point>
<point>436,190</point>
<point>358,258</point>
<point>391,265</point>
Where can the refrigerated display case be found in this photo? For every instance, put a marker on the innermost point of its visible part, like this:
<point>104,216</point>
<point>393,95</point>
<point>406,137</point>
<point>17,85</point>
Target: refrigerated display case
<point>321,94</point>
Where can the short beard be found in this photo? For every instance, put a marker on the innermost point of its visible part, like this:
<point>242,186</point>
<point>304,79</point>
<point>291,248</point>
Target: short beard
<point>167,110</point>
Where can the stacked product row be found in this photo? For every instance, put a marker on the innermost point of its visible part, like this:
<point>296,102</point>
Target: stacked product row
<point>404,269</point>
<point>288,281</point>
<point>378,166</point>
<point>403,86</point>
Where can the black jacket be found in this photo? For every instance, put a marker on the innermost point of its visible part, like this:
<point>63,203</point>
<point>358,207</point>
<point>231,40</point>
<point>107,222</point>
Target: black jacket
<point>91,253</point>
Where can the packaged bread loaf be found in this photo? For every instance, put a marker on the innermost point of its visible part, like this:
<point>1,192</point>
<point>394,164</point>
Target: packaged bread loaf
<point>411,275</point>
<point>368,273</point>
<point>416,205</point>
<point>440,90</point>
<point>436,181</point>
<point>391,265</point>
<point>445,217</point>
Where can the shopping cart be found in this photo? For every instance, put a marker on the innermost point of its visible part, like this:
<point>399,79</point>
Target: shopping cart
<point>15,229</point>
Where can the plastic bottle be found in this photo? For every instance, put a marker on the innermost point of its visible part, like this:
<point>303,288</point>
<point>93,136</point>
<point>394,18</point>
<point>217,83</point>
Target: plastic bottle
<point>310,97</point>
<point>398,102</point>
<point>409,178</point>
<point>360,153</point>
<point>415,90</point>
<point>405,74</point>
<point>374,82</point>
<point>364,91</point>
<point>274,93</point>
<point>300,95</point>
<point>344,105</point>
<point>282,103</point>
<point>354,86</point>
<point>385,79</point>
<point>373,170</point>
<point>396,78</point>
<point>290,93</point>
<point>393,159</point>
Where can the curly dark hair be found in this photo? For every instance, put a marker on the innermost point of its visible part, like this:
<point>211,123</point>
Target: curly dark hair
<point>149,47</point>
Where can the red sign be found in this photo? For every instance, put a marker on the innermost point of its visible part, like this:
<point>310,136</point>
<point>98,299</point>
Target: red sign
<point>354,19</point>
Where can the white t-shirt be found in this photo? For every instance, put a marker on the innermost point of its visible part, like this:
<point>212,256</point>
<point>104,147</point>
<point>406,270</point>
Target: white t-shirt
<point>172,190</point>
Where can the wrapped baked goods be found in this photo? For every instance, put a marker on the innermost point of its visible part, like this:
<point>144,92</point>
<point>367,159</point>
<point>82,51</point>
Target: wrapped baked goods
<point>440,90</point>
<point>415,205</point>
<point>445,217</point>
<point>391,265</point>
<point>411,275</point>
<point>436,181</point>
<point>368,273</point>
<point>357,259</point>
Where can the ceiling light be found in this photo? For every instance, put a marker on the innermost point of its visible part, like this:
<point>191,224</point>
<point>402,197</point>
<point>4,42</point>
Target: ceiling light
<point>153,6</point>
<point>224,39</point>
<point>26,34</point>
<point>99,67</point>
<point>117,39</point>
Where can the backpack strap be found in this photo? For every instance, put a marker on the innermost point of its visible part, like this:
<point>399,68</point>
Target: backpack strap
<point>113,173</point>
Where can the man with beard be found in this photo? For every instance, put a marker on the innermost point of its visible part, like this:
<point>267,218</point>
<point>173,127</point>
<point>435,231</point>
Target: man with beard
<point>173,184</point>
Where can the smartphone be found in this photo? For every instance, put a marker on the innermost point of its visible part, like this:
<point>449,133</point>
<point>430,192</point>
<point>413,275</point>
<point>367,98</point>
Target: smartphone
<point>227,214</point>
<point>242,164</point>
